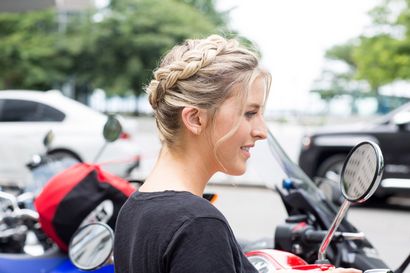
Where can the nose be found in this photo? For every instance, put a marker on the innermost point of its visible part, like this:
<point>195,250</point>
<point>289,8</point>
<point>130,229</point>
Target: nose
<point>260,131</point>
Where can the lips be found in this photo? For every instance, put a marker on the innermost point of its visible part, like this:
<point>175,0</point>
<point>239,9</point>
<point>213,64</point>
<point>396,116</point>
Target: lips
<point>246,150</point>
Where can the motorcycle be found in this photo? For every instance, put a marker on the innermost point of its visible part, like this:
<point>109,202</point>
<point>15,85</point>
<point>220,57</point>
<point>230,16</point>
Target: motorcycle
<point>19,228</point>
<point>303,201</point>
<point>24,244</point>
<point>315,236</point>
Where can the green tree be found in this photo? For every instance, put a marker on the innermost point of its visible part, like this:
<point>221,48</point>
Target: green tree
<point>208,8</point>
<point>28,54</point>
<point>128,44</point>
<point>334,83</point>
<point>378,61</point>
<point>117,53</point>
<point>382,54</point>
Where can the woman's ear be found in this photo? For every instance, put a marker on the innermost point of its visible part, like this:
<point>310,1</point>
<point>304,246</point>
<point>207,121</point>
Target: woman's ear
<point>194,119</point>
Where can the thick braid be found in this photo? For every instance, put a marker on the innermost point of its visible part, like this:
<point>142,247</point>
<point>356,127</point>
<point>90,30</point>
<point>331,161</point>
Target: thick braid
<point>192,61</point>
<point>152,90</point>
<point>190,65</point>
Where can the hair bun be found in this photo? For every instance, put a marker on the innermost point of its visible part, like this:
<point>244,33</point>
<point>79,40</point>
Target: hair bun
<point>154,95</point>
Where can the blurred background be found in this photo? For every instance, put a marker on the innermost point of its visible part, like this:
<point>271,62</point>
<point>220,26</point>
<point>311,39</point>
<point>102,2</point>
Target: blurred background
<point>332,63</point>
<point>343,58</point>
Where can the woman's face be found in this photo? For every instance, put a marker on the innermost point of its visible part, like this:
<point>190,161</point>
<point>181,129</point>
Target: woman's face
<point>233,151</point>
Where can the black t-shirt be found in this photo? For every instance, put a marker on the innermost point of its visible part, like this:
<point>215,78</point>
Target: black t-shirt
<point>175,232</point>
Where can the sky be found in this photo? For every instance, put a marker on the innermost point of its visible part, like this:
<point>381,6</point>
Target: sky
<point>293,36</point>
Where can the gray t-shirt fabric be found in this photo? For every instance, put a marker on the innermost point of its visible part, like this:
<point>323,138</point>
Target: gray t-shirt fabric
<point>175,232</point>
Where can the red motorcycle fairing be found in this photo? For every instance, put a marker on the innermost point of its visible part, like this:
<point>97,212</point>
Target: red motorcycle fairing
<point>273,259</point>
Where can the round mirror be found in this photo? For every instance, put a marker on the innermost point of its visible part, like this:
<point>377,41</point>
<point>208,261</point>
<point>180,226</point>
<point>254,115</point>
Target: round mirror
<point>91,246</point>
<point>362,172</point>
<point>112,129</point>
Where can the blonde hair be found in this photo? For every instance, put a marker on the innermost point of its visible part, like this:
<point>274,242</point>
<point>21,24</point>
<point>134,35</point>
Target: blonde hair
<point>199,73</point>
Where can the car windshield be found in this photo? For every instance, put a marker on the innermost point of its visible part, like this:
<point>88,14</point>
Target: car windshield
<point>269,166</point>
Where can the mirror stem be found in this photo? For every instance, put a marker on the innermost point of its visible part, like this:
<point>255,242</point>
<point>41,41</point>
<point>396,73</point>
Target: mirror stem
<point>100,152</point>
<point>336,222</point>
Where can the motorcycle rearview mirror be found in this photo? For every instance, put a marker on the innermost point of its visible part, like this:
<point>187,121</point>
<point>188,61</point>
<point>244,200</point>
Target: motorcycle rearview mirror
<point>111,132</point>
<point>112,129</point>
<point>91,246</point>
<point>360,177</point>
<point>362,171</point>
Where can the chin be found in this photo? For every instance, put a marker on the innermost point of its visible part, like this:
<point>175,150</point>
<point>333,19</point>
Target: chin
<point>236,171</point>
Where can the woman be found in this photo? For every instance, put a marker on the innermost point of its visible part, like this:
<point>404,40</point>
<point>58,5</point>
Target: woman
<point>208,97</point>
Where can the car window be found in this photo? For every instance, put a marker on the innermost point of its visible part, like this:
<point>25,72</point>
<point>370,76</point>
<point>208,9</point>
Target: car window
<point>14,110</point>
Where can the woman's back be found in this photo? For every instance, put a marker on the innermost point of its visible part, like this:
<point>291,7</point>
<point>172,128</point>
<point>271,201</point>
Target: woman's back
<point>175,231</point>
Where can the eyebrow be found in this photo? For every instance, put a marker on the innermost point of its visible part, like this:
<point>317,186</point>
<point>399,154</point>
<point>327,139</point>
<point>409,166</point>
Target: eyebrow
<point>254,105</point>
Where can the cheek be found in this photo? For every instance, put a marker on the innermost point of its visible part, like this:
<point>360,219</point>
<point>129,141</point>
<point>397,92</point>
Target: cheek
<point>231,145</point>
<point>224,126</point>
<point>241,134</point>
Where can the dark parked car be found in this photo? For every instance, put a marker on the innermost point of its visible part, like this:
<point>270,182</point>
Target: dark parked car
<point>324,151</point>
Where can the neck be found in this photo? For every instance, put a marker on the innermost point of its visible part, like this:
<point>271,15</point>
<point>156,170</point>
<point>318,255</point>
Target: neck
<point>180,171</point>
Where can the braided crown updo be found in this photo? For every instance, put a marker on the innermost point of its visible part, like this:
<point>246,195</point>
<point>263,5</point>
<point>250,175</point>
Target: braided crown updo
<point>198,73</point>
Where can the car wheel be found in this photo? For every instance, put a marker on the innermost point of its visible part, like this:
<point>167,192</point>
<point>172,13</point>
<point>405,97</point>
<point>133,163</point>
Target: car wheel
<point>63,155</point>
<point>331,168</point>
<point>329,177</point>
<point>379,198</point>
<point>330,189</point>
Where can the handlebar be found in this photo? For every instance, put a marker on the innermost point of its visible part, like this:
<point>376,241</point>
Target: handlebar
<point>28,214</point>
<point>10,198</point>
<point>317,236</point>
<point>17,212</point>
<point>16,231</point>
<point>15,220</point>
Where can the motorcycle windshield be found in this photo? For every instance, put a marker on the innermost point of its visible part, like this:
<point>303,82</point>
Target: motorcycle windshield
<point>45,171</point>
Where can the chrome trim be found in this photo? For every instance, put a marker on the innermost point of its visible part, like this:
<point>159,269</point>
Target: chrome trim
<point>395,183</point>
<point>346,141</point>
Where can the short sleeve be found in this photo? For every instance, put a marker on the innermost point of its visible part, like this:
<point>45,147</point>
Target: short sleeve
<point>205,245</point>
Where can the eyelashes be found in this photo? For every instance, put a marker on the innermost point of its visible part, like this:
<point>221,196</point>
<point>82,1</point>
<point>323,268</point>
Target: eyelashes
<point>250,114</point>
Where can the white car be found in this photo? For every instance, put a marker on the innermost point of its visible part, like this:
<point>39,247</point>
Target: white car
<point>27,116</point>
